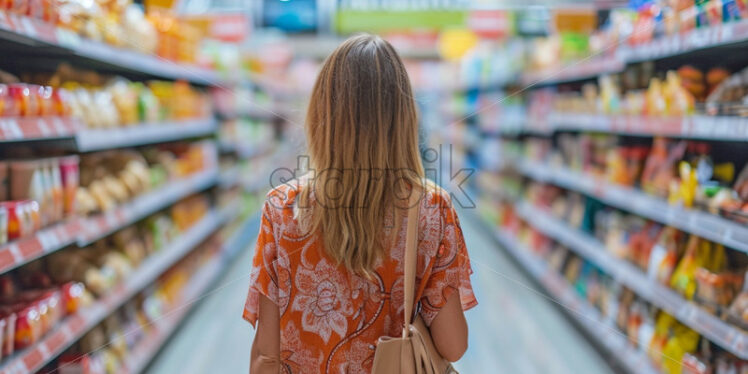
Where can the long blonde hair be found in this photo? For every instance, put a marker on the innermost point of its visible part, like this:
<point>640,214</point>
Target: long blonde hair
<point>362,132</point>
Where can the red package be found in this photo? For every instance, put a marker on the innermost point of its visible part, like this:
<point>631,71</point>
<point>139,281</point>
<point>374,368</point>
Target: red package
<point>28,325</point>
<point>61,102</point>
<point>8,333</point>
<point>71,294</point>
<point>70,181</point>
<point>19,221</point>
<point>25,97</point>
<point>8,106</point>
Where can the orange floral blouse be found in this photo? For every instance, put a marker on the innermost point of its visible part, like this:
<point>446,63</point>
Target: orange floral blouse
<point>330,318</point>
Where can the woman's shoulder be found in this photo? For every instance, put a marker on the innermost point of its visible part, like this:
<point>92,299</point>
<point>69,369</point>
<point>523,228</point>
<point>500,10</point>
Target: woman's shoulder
<point>435,197</point>
<point>282,197</point>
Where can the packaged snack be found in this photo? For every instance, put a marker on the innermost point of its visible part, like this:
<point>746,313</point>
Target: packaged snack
<point>664,256</point>
<point>8,333</point>
<point>28,325</point>
<point>70,181</point>
<point>9,106</point>
<point>659,169</point>
<point>683,341</point>
<point>71,297</point>
<point>642,242</point>
<point>33,215</point>
<point>19,223</point>
<point>717,289</point>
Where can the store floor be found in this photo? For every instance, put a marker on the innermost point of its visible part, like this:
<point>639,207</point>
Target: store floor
<point>514,329</point>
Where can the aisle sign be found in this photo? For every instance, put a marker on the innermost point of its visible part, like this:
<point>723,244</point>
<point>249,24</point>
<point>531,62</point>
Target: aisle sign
<point>349,21</point>
<point>582,20</point>
<point>228,27</point>
<point>490,24</point>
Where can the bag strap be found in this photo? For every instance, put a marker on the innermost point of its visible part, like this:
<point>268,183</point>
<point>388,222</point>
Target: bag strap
<point>411,258</point>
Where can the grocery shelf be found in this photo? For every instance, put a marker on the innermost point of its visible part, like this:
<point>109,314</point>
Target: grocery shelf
<point>142,134</point>
<point>659,48</point>
<point>150,345</point>
<point>668,46</point>
<point>41,128</point>
<point>82,139</point>
<point>101,225</point>
<point>84,230</point>
<point>578,70</point>
<point>709,226</point>
<point>74,327</point>
<point>604,331</point>
<point>200,282</point>
<point>721,333</point>
<point>256,111</point>
<point>245,151</point>
<point>47,240</point>
<point>723,128</point>
<point>693,127</point>
<point>35,34</point>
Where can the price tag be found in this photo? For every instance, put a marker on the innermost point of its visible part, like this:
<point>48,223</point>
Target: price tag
<point>110,220</point>
<point>739,346</point>
<point>15,252</point>
<point>673,43</point>
<point>59,126</point>
<point>27,27</point>
<point>4,22</point>
<point>43,128</point>
<point>45,240</point>
<point>10,129</point>
<point>67,38</point>
<point>44,350</point>
<point>728,32</point>
<point>19,367</point>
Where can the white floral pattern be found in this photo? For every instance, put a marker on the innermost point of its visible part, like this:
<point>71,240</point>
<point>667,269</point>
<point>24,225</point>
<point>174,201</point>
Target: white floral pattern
<point>324,299</point>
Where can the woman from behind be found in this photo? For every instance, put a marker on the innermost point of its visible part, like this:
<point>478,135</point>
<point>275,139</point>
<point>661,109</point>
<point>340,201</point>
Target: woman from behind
<point>327,276</point>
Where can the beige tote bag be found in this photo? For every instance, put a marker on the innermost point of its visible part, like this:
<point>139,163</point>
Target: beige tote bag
<point>414,352</point>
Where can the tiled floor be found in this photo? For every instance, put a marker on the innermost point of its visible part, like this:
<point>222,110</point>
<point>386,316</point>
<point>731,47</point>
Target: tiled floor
<point>514,329</point>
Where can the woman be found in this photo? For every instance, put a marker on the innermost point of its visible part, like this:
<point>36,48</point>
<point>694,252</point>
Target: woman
<point>327,274</point>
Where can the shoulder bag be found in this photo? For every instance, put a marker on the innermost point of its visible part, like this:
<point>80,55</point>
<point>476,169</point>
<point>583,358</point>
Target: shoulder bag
<point>414,352</point>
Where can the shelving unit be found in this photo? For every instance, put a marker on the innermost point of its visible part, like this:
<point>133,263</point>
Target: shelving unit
<point>165,327</point>
<point>29,38</point>
<point>615,59</point>
<point>578,70</point>
<point>723,334</point>
<point>24,250</point>
<point>85,230</point>
<point>706,225</point>
<point>101,225</point>
<point>33,34</point>
<point>692,127</point>
<point>74,136</point>
<point>589,318</point>
<point>75,326</point>
<point>142,134</point>
<point>45,128</point>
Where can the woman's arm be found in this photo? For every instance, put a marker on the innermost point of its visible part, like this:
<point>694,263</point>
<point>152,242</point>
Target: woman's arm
<point>449,329</point>
<point>266,346</point>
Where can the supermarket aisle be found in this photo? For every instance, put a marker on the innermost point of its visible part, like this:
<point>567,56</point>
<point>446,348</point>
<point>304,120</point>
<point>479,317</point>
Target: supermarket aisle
<point>513,330</point>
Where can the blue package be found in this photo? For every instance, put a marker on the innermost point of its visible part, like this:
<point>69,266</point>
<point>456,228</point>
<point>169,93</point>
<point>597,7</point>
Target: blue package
<point>730,11</point>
